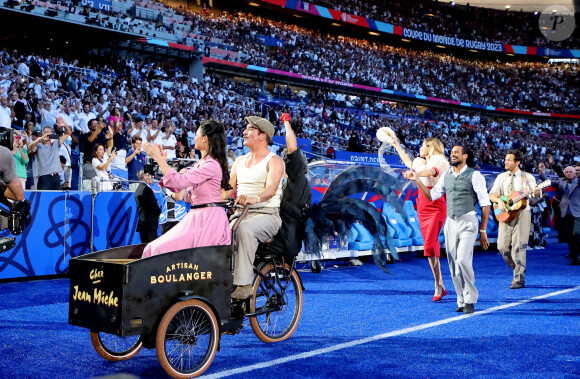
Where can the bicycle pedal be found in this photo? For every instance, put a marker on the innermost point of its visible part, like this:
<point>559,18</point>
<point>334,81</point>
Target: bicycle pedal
<point>234,332</point>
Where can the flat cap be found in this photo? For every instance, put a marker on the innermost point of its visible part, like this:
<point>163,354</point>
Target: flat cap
<point>262,124</point>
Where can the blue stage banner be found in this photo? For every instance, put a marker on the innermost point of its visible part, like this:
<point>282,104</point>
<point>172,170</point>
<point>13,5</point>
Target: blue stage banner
<point>97,4</point>
<point>270,41</point>
<point>60,229</point>
<point>304,144</point>
<point>115,220</point>
<point>365,159</point>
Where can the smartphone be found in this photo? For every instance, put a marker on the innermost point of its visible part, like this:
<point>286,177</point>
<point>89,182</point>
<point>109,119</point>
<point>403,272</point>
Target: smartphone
<point>53,136</point>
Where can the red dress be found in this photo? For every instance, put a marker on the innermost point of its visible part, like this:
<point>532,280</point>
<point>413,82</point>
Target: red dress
<point>432,214</point>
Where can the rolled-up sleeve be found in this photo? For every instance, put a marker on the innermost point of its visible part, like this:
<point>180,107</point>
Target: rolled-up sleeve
<point>438,190</point>
<point>480,188</point>
<point>497,185</point>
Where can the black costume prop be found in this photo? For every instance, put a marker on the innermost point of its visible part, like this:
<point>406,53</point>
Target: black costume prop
<point>295,201</point>
<point>335,214</point>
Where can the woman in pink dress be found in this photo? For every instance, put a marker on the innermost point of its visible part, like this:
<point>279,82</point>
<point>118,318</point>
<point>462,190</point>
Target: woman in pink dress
<point>207,226</point>
<point>430,166</point>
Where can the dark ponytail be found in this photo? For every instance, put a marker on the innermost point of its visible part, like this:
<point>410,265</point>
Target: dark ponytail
<point>218,144</point>
<point>470,160</point>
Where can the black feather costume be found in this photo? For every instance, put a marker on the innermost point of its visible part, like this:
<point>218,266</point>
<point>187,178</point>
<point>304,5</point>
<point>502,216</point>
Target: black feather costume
<point>335,214</point>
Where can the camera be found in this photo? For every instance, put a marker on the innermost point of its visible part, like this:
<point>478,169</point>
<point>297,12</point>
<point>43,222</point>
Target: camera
<point>19,217</point>
<point>16,219</point>
<point>7,138</point>
<point>151,167</point>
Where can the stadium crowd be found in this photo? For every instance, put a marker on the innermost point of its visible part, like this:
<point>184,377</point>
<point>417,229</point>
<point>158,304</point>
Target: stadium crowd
<point>518,85</point>
<point>513,85</point>
<point>138,99</point>
<point>510,26</point>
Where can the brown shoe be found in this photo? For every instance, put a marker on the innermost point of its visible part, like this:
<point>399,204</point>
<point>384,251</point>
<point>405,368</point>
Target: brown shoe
<point>242,292</point>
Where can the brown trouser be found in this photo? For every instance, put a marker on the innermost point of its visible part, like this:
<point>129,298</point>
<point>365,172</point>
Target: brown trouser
<point>512,242</point>
<point>259,225</point>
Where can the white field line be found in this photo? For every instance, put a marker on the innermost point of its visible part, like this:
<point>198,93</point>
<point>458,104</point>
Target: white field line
<point>346,345</point>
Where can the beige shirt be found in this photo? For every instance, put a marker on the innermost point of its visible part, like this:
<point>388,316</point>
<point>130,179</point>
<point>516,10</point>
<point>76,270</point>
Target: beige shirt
<point>522,182</point>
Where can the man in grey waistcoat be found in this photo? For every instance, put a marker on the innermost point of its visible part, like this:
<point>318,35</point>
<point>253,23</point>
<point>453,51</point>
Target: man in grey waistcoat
<point>463,186</point>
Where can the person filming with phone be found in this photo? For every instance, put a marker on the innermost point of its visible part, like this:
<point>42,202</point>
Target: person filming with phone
<point>10,185</point>
<point>47,149</point>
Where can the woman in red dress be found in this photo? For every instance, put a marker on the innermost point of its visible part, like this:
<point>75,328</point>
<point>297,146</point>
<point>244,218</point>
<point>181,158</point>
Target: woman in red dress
<point>431,166</point>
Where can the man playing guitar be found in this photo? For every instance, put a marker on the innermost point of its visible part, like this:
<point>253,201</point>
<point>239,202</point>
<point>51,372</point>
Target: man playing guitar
<point>513,235</point>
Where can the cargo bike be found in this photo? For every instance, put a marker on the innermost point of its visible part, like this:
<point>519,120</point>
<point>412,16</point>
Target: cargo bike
<point>179,303</point>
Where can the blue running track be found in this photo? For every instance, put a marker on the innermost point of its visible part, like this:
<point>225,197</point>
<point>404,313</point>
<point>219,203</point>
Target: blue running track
<point>357,322</point>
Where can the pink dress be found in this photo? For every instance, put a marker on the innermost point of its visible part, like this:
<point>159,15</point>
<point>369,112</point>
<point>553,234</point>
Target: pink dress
<point>207,226</point>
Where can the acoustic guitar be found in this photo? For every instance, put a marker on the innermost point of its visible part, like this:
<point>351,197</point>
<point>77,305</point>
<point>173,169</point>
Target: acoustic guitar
<point>514,203</point>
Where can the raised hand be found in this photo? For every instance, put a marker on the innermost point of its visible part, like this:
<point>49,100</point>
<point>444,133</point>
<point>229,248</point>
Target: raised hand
<point>155,151</point>
<point>285,117</point>
<point>61,122</point>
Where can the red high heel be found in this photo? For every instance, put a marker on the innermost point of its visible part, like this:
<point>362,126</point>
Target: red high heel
<point>438,298</point>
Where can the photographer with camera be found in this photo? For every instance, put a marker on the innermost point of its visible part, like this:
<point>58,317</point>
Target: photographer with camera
<point>48,157</point>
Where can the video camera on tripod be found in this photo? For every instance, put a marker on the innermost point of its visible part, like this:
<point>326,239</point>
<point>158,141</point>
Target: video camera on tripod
<point>15,219</point>
<point>152,168</point>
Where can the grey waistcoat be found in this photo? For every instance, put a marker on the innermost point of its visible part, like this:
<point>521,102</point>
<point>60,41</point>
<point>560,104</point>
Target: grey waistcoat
<point>461,196</point>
